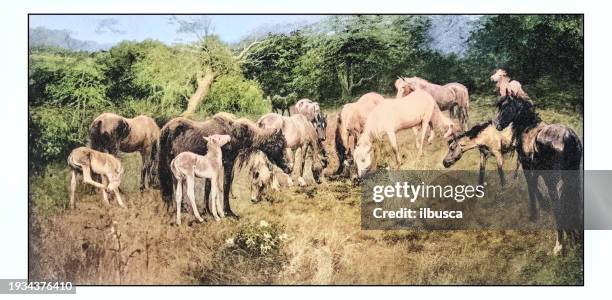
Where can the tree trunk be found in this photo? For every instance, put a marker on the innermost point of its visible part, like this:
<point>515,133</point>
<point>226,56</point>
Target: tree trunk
<point>204,83</point>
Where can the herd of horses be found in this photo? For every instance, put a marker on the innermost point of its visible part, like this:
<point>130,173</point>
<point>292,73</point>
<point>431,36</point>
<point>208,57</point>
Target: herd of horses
<point>184,149</point>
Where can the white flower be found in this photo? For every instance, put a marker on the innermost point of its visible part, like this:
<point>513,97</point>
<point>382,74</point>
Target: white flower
<point>283,237</point>
<point>263,223</point>
<point>229,242</point>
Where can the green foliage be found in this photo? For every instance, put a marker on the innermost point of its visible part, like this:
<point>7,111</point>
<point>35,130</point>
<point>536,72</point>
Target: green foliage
<point>234,94</point>
<point>259,240</point>
<point>48,191</point>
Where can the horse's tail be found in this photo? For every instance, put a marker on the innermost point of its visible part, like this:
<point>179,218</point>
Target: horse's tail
<point>339,144</point>
<point>154,164</point>
<point>163,165</point>
<point>571,198</point>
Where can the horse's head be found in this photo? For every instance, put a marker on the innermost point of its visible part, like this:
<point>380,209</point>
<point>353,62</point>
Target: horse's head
<point>455,151</point>
<point>273,145</point>
<point>363,156</point>
<point>403,87</point>
<point>261,176</point>
<point>513,110</point>
<point>320,124</point>
<point>499,73</point>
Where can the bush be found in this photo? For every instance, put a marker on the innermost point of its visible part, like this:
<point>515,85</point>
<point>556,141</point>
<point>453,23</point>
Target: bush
<point>258,240</point>
<point>234,94</point>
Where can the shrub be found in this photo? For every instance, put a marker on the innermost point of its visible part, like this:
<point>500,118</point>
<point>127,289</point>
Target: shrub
<point>234,94</point>
<point>258,240</point>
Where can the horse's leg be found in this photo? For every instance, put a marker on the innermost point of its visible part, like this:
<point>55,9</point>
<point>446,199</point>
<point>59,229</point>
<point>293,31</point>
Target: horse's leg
<point>143,172</point>
<point>500,164</point>
<point>205,203</point>
<point>87,178</point>
<point>302,169</point>
<point>551,180</point>
<point>104,192</point>
<point>559,243</point>
<point>532,186</point>
<point>483,163</point>
<point>227,184</point>
<point>73,186</point>
<point>425,127</point>
<point>191,195</point>
<point>290,158</point>
<point>118,197</point>
<point>393,142</point>
<point>217,199</point>
<point>178,199</point>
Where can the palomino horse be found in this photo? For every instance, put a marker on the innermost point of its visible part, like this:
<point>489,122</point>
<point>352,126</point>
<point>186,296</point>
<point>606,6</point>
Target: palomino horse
<point>351,119</point>
<point>182,134</point>
<point>418,109</point>
<point>312,111</point>
<point>550,151</point>
<point>265,176</point>
<point>86,161</point>
<point>507,86</point>
<point>187,166</point>
<point>488,140</point>
<point>453,96</point>
<point>112,133</point>
<point>299,134</point>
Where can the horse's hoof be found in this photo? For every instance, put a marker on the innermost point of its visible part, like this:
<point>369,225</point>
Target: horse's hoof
<point>231,214</point>
<point>557,250</point>
<point>200,220</point>
<point>301,182</point>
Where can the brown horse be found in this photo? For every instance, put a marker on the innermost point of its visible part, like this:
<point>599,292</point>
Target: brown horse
<point>265,176</point>
<point>182,134</point>
<point>112,133</point>
<point>418,109</point>
<point>453,97</point>
<point>351,119</point>
<point>299,134</point>
<point>507,86</point>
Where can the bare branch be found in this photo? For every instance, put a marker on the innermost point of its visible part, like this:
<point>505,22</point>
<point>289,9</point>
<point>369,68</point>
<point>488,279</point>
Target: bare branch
<point>246,49</point>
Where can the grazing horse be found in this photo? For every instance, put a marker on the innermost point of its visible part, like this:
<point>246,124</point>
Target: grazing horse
<point>86,161</point>
<point>182,134</point>
<point>488,140</point>
<point>187,166</point>
<point>351,119</point>
<point>299,134</point>
<point>453,97</point>
<point>281,104</point>
<point>312,111</point>
<point>507,86</point>
<point>549,151</point>
<point>418,109</point>
<point>265,176</point>
<point>112,133</point>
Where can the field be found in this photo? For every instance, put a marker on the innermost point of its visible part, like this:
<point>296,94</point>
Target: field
<point>308,235</point>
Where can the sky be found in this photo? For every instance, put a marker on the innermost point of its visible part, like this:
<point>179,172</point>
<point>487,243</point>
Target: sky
<point>111,29</point>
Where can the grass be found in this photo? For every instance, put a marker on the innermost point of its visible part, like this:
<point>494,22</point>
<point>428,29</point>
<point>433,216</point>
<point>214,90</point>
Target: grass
<point>314,236</point>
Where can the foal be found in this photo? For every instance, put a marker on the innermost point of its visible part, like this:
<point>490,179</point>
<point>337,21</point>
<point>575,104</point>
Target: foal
<point>86,161</point>
<point>488,140</point>
<point>187,166</point>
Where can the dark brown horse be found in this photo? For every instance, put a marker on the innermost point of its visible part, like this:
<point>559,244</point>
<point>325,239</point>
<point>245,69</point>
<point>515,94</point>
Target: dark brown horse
<point>182,134</point>
<point>112,133</point>
<point>550,151</point>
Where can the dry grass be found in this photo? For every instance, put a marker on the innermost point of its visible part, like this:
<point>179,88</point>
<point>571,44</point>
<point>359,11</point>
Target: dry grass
<point>318,231</point>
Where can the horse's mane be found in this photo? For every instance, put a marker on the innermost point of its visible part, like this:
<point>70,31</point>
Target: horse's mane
<point>527,116</point>
<point>475,130</point>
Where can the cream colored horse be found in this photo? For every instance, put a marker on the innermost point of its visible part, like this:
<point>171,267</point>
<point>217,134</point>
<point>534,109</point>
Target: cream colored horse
<point>453,96</point>
<point>187,166</point>
<point>505,85</point>
<point>418,109</point>
<point>86,161</point>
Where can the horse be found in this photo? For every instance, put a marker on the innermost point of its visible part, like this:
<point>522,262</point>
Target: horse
<point>281,104</point>
<point>549,151</point>
<point>488,140</point>
<point>506,86</point>
<point>182,134</point>
<point>312,111</point>
<point>112,133</point>
<point>453,96</point>
<point>265,176</point>
<point>187,166</point>
<point>418,109</point>
<point>86,161</point>
<point>350,122</point>
<point>299,134</point>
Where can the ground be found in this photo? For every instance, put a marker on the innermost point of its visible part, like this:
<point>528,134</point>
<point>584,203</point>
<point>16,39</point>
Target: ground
<point>309,235</point>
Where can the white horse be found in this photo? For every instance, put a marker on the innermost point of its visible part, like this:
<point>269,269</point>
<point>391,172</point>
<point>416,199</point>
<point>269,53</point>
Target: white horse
<point>187,166</point>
